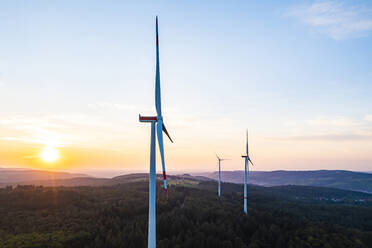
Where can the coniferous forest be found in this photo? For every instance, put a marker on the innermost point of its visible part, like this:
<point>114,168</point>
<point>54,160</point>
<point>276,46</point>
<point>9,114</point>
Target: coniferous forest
<point>192,216</point>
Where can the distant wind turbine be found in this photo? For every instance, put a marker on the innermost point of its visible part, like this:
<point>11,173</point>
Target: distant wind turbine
<point>246,169</point>
<point>219,174</point>
<point>160,128</point>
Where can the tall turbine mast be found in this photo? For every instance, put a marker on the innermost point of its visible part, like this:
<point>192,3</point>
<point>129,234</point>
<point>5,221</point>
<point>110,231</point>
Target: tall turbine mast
<point>157,128</point>
<point>219,174</point>
<point>247,160</point>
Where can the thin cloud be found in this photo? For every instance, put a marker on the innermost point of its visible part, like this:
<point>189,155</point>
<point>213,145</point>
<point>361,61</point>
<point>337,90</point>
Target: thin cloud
<point>111,105</point>
<point>330,129</point>
<point>368,118</point>
<point>57,130</point>
<point>53,122</point>
<point>333,122</point>
<point>327,137</point>
<point>337,19</point>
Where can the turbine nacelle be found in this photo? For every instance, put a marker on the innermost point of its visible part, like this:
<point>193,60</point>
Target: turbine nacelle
<point>155,119</point>
<point>147,118</point>
<point>221,159</point>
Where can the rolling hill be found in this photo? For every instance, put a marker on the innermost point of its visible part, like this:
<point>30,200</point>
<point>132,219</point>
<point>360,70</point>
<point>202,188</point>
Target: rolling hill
<point>348,180</point>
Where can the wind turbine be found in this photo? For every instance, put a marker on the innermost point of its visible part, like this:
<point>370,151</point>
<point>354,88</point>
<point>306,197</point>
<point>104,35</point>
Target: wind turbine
<point>158,130</point>
<point>219,174</point>
<point>246,169</point>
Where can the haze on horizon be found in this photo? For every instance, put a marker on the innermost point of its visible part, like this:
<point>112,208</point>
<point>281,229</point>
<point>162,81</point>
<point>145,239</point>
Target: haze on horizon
<point>75,75</point>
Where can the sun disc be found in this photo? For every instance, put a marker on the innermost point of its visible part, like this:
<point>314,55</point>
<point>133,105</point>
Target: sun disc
<point>49,154</point>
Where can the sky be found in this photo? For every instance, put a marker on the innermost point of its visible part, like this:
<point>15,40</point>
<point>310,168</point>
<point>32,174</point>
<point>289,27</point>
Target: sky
<point>74,75</point>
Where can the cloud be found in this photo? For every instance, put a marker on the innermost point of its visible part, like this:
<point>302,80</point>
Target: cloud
<point>337,19</point>
<point>53,122</point>
<point>57,130</point>
<point>368,118</point>
<point>327,137</point>
<point>333,129</point>
<point>333,122</point>
<point>24,140</point>
<point>110,105</point>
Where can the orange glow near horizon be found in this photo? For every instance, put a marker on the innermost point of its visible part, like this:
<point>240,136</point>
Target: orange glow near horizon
<point>266,154</point>
<point>86,143</point>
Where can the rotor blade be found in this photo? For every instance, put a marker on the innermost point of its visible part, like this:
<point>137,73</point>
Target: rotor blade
<point>157,77</point>
<point>166,132</point>
<point>247,143</point>
<point>159,131</point>
<point>250,161</point>
<point>218,157</point>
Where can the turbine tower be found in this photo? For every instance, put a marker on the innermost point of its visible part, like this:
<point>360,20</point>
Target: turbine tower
<point>219,174</point>
<point>157,128</point>
<point>246,169</point>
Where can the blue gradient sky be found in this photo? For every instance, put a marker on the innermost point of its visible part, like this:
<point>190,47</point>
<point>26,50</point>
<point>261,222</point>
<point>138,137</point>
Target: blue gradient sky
<point>75,75</point>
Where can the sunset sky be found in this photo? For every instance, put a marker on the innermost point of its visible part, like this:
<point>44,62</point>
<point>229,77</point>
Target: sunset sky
<point>74,75</point>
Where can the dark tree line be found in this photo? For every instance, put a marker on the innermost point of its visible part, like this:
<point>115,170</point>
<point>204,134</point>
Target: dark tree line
<point>116,216</point>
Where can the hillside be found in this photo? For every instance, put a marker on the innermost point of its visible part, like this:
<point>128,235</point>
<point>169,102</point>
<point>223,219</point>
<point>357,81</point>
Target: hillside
<point>357,181</point>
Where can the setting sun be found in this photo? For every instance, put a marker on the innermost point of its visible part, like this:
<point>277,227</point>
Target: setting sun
<point>49,154</point>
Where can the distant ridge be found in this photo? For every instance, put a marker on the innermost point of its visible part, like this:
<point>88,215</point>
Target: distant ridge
<point>341,179</point>
<point>18,175</point>
<point>83,180</point>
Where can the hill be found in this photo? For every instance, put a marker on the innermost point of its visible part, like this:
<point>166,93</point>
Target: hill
<point>348,180</point>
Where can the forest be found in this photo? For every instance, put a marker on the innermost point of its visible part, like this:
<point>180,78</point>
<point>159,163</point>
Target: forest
<point>116,216</point>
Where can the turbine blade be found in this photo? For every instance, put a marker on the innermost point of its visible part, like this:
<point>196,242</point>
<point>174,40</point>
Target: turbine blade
<point>247,143</point>
<point>157,76</point>
<point>250,161</point>
<point>166,132</point>
<point>218,157</point>
<point>159,131</point>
